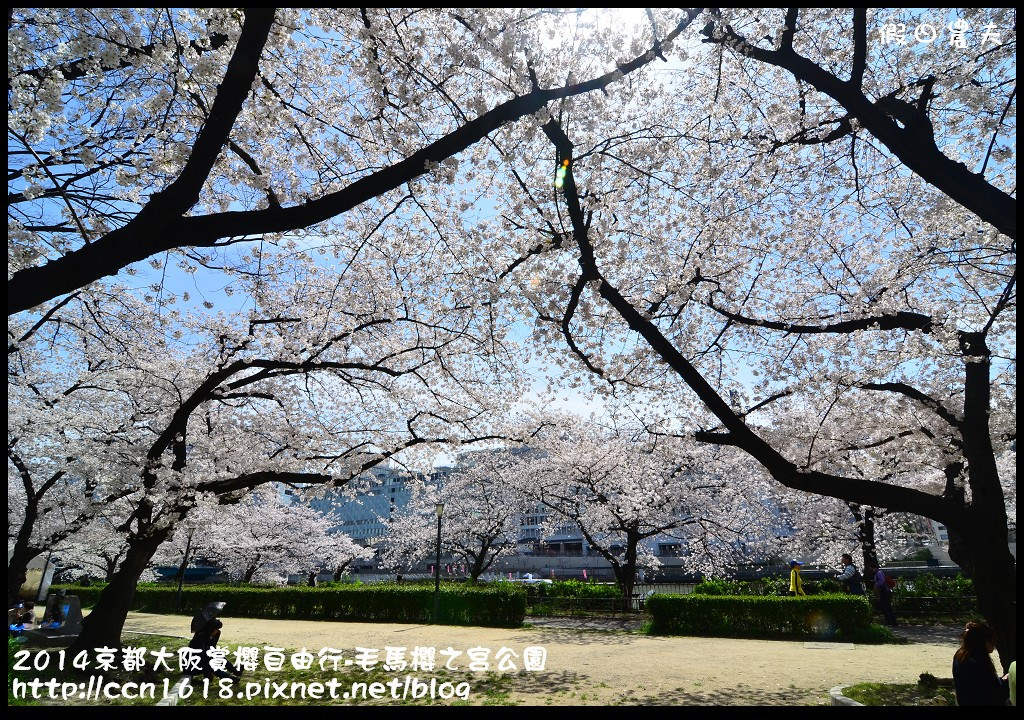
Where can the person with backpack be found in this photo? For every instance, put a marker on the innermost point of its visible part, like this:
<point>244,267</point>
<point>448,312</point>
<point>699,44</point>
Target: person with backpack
<point>883,586</point>
<point>850,577</point>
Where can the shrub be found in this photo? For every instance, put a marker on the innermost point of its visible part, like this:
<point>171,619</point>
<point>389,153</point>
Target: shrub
<point>826,616</point>
<point>765,586</point>
<point>493,606</point>
<point>928,597</point>
<point>536,592</point>
<point>928,585</point>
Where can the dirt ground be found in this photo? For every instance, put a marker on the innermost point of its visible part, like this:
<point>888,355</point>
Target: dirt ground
<point>603,667</point>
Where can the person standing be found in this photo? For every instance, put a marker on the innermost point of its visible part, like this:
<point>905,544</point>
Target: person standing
<point>883,593</point>
<point>796,587</point>
<point>974,676</point>
<point>850,577</point>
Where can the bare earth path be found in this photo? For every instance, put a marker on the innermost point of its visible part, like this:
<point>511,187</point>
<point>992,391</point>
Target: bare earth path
<point>595,667</point>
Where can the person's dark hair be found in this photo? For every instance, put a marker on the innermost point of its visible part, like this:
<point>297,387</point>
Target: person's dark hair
<point>214,624</point>
<point>847,558</point>
<point>29,605</point>
<point>974,644</point>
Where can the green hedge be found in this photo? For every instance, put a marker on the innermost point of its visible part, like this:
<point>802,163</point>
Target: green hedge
<point>570,589</point>
<point>765,586</point>
<point>928,597</point>
<point>928,585</point>
<point>460,604</point>
<point>839,617</point>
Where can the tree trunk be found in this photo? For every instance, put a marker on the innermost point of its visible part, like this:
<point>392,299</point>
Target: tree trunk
<point>477,566</point>
<point>102,627</point>
<point>866,534</point>
<point>249,572</point>
<point>994,572</point>
<point>629,569</point>
<point>109,570</point>
<point>480,563</point>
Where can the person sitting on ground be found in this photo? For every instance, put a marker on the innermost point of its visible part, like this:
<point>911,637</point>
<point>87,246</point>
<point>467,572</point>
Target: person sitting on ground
<point>796,586</point>
<point>28,615</point>
<point>850,577</point>
<point>16,619</point>
<point>974,676</point>
<point>13,613</point>
<point>54,619</point>
<point>207,637</point>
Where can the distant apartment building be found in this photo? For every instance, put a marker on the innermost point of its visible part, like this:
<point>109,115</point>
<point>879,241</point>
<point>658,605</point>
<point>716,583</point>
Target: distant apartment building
<point>363,516</point>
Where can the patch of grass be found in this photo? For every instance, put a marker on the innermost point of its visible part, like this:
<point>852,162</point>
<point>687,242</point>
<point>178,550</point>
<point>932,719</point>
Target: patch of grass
<point>12,647</point>
<point>928,691</point>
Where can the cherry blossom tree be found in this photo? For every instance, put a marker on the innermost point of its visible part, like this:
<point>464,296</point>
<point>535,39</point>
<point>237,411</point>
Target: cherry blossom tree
<point>262,538</point>
<point>97,549</point>
<point>620,487</point>
<point>138,132</point>
<point>204,406</point>
<point>801,224</point>
<point>483,509</point>
<point>796,238</point>
<point>69,430</point>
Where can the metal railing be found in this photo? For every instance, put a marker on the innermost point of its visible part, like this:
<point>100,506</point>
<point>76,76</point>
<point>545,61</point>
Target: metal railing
<point>575,607</point>
<point>956,607</point>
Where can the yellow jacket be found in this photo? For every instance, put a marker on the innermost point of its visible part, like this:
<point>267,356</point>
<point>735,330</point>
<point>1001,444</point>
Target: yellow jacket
<point>795,586</point>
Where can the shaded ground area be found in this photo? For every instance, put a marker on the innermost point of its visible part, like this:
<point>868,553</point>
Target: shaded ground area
<point>592,665</point>
<point>624,624</point>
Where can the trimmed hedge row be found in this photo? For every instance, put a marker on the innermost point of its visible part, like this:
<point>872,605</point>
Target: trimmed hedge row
<point>494,606</point>
<point>825,616</point>
<point>536,592</point>
<point>765,586</point>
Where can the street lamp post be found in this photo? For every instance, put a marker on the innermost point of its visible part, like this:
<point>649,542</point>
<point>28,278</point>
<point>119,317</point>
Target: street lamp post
<point>439,509</point>
<point>184,565</point>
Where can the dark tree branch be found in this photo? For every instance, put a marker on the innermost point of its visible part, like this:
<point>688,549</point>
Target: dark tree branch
<point>895,321</point>
<point>161,225</point>
<point>866,492</point>
<point>915,394</point>
<point>913,143</point>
